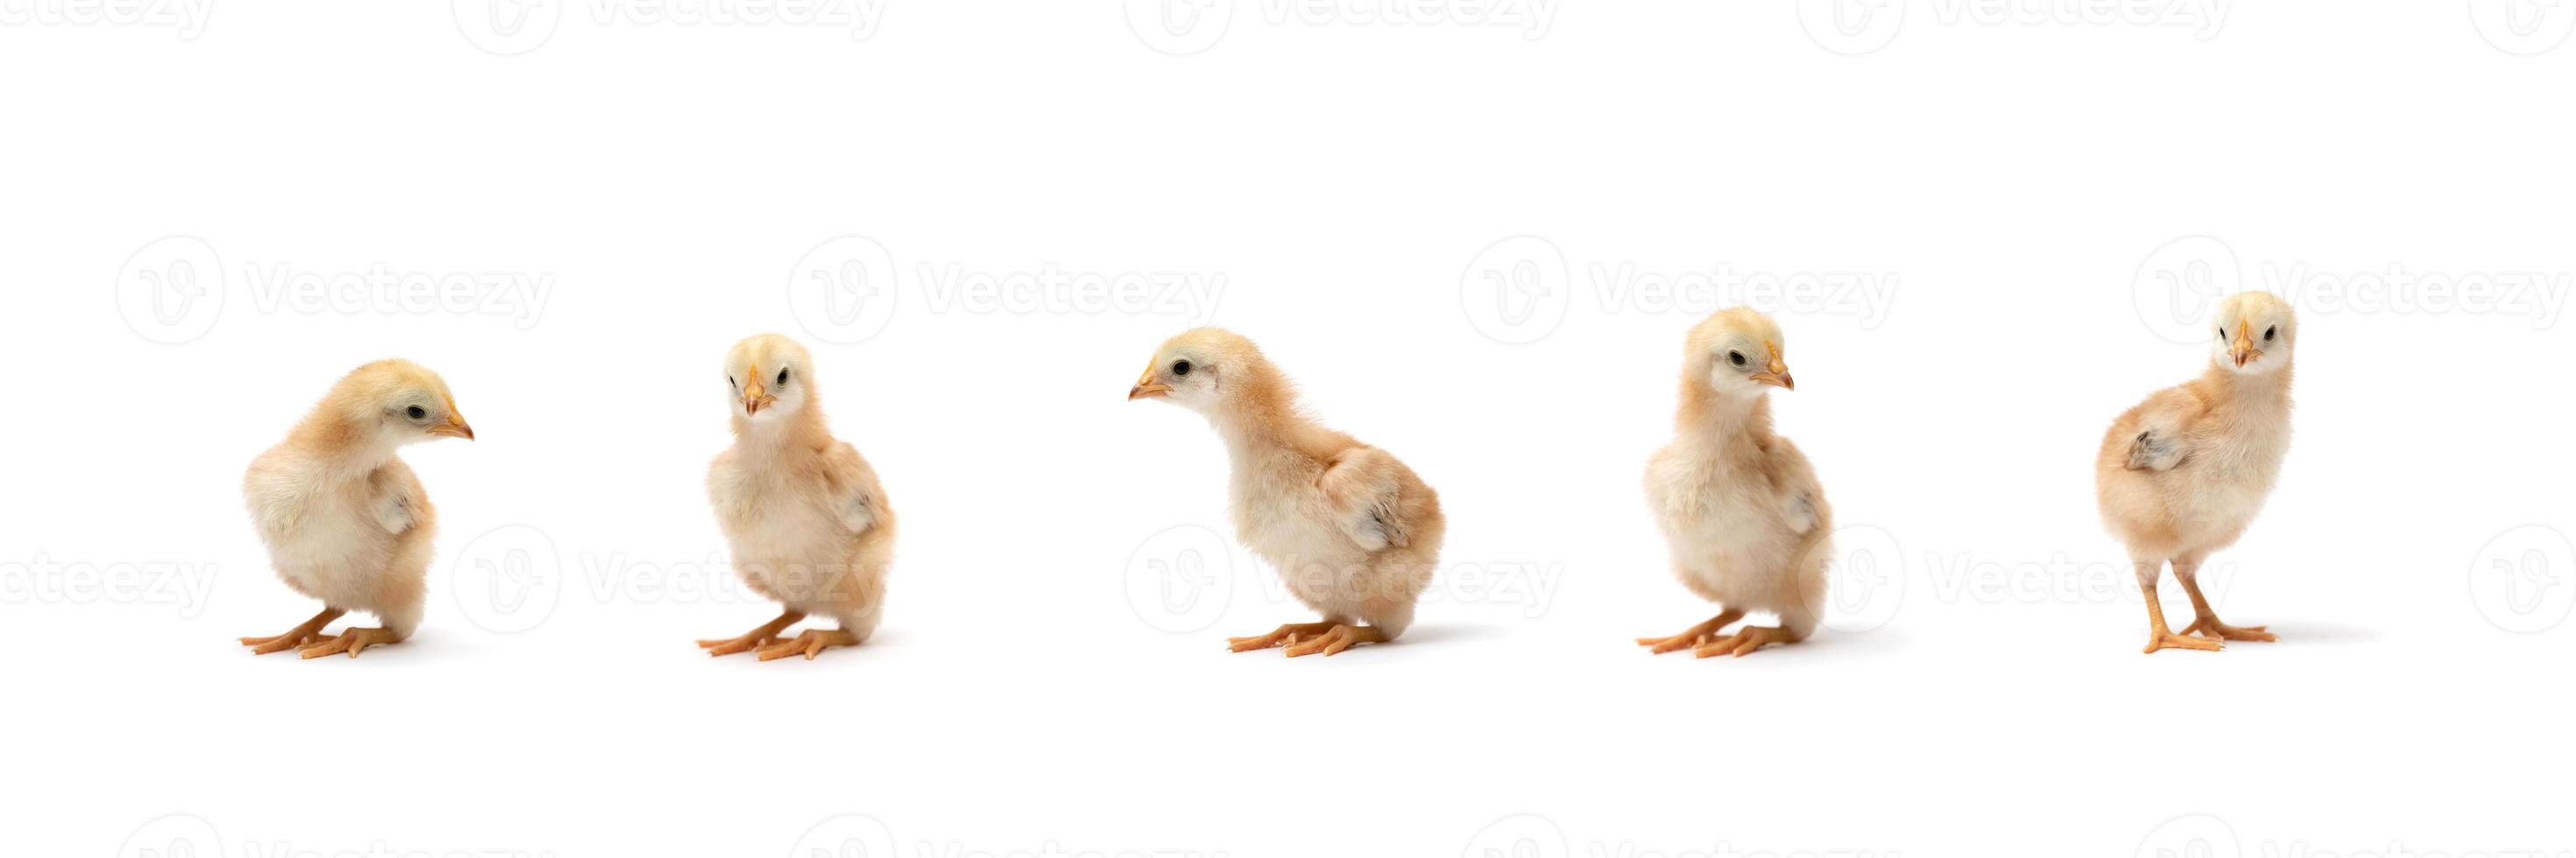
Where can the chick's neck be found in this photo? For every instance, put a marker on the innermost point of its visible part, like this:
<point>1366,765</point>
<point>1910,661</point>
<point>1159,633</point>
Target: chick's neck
<point>1717,418</point>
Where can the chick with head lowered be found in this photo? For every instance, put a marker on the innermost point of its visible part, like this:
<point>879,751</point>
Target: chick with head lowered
<point>343,518</point>
<point>1352,532</point>
<point>802,512</point>
<point>2182,474</point>
<point>1746,521</point>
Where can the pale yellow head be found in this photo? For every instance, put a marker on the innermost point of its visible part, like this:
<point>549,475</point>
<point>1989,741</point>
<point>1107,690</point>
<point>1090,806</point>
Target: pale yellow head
<point>2255,332</point>
<point>1204,368</point>
<point>768,377</point>
<point>1737,351</point>
<point>402,402</point>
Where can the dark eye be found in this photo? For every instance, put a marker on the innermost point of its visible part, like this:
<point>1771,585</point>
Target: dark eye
<point>782,376</point>
<point>2268,332</point>
<point>2222,335</point>
<point>1180,367</point>
<point>1736,358</point>
<point>737,385</point>
<point>416,412</point>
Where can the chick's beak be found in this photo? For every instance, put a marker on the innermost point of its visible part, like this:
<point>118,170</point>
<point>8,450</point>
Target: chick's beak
<point>754,395</point>
<point>454,427</point>
<point>1147,388</point>
<point>2243,350</point>
<point>1777,373</point>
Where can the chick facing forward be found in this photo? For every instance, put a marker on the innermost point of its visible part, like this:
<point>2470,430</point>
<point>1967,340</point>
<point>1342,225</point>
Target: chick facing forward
<point>802,512</point>
<point>2182,474</point>
<point>1740,508</point>
<point>344,520</point>
<point>1353,533</point>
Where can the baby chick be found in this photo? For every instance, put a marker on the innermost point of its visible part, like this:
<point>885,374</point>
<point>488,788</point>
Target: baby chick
<point>2181,474</point>
<point>343,518</point>
<point>1747,523</point>
<point>806,520</point>
<point>1352,531</point>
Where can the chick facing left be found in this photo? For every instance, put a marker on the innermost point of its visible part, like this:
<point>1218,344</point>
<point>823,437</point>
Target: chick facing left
<point>344,520</point>
<point>1352,532</point>
<point>806,520</point>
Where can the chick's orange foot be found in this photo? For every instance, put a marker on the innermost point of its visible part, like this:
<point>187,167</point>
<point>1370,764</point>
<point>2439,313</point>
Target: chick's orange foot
<point>810,644</point>
<point>1694,636</point>
<point>764,636</point>
<point>2161,639</point>
<point>351,641</point>
<point>1336,639</point>
<point>309,632</point>
<point>1744,642</point>
<point>2210,627</point>
<point>1282,636</point>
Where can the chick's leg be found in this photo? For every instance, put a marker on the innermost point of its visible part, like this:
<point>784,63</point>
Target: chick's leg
<point>812,643</point>
<point>2206,624</point>
<point>763,636</point>
<point>1694,636</point>
<point>1338,638</point>
<point>1281,636</point>
<point>310,631</point>
<point>2159,637</point>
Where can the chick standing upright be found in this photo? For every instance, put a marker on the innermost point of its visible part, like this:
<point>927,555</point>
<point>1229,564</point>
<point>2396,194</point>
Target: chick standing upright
<point>1352,531</point>
<point>2182,474</point>
<point>1741,509</point>
<point>343,518</point>
<point>807,523</point>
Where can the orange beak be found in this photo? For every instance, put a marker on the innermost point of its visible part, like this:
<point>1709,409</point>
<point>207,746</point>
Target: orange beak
<point>455,426</point>
<point>2243,349</point>
<point>754,395</point>
<point>1777,372</point>
<point>1146,387</point>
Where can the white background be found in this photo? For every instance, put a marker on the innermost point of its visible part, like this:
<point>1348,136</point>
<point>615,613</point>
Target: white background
<point>2020,181</point>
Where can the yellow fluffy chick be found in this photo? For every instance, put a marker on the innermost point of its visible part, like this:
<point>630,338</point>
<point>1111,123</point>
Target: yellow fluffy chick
<point>1352,531</point>
<point>2181,474</point>
<point>807,523</point>
<point>343,518</point>
<point>1739,506</point>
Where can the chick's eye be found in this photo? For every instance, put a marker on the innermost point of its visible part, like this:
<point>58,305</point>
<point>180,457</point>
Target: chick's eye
<point>782,376</point>
<point>416,412</point>
<point>1736,358</point>
<point>1180,367</point>
<point>2268,332</point>
<point>2222,335</point>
